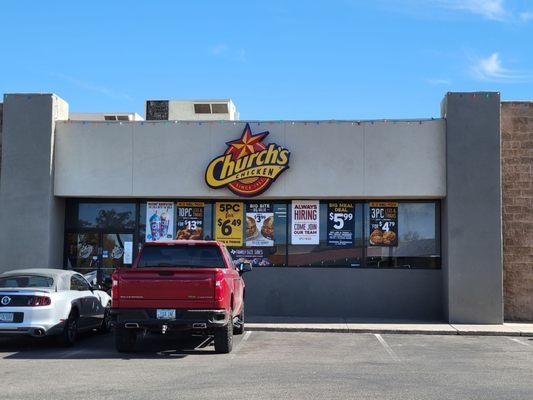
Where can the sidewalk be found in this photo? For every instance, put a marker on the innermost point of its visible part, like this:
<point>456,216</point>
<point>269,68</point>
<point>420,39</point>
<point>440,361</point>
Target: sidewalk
<point>342,325</point>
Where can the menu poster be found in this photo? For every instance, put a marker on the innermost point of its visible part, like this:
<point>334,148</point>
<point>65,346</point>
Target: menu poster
<point>254,257</point>
<point>383,224</point>
<point>341,224</point>
<point>189,220</point>
<point>228,223</point>
<point>259,225</point>
<point>159,221</point>
<point>305,222</point>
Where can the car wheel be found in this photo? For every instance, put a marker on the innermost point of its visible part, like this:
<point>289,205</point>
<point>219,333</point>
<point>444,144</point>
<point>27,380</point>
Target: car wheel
<point>70,331</point>
<point>125,340</point>
<point>238,327</point>
<point>224,339</point>
<point>106,322</point>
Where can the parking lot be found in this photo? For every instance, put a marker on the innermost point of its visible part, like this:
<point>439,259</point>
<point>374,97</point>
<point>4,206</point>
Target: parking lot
<point>265,365</point>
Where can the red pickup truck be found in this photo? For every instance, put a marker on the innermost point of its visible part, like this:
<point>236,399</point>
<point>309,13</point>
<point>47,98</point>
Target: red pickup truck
<point>182,285</point>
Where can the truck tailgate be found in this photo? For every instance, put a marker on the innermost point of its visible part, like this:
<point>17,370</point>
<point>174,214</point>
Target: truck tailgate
<point>167,287</point>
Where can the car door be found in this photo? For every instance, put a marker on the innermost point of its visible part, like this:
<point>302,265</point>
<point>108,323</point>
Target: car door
<point>98,303</point>
<point>85,299</point>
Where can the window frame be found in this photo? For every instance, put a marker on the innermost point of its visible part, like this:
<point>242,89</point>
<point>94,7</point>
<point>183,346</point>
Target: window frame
<point>82,280</point>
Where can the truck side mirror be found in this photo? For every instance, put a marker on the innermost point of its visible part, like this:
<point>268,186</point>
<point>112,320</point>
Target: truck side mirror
<point>244,267</point>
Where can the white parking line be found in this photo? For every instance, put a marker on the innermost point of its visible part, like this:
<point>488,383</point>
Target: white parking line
<point>70,353</point>
<point>204,343</point>
<point>387,347</point>
<point>238,347</point>
<point>519,341</point>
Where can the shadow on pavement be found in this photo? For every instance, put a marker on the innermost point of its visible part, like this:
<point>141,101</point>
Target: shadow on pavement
<point>94,346</point>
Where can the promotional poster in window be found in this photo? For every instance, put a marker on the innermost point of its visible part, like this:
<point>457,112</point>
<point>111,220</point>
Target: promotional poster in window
<point>259,225</point>
<point>383,219</point>
<point>159,221</point>
<point>305,222</point>
<point>189,220</point>
<point>341,224</point>
<point>228,227</point>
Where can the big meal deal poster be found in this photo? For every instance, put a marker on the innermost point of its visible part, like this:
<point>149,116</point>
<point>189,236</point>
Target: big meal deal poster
<point>305,220</point>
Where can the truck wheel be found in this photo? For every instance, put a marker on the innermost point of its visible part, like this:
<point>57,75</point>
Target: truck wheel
<point>224,339</point>
<point>125,340</point>
<point>238,328</point>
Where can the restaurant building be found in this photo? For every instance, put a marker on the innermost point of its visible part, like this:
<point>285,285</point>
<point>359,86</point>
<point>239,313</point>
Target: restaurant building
<point>383,219</point>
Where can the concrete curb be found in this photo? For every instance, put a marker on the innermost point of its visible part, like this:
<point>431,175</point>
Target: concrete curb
<point>446,330</point>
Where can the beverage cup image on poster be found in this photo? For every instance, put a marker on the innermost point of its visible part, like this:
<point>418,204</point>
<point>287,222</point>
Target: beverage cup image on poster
<point>383,220</point>
<point>305,222</point>
<point>228,223</point>
<point>159,221</point>
<point>259,225</point>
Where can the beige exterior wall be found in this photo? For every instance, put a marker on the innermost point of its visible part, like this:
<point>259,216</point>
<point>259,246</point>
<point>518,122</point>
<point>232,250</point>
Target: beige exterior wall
<point>394,159</point>
<point>517,208</point>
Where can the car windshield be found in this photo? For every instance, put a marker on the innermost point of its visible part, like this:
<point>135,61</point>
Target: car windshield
<point>181,256</point>
<point>26,281</point>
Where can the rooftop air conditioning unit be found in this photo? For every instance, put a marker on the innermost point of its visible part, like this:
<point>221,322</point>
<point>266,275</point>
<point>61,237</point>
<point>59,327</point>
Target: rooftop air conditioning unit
<point>191,110</point>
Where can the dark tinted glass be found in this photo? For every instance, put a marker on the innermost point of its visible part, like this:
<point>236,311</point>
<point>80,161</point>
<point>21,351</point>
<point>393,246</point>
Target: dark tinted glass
<point>26,281</point>
<point>202,109</point>
<point>266,256</point>
<point>418,239</point>
<point>328,255</point>
<point>181,256</point>
<point>106,215</point>
<point>219,108</point>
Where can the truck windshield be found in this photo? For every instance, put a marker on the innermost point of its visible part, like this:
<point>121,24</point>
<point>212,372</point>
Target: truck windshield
<point>26,281</point>
<point>181,256</point>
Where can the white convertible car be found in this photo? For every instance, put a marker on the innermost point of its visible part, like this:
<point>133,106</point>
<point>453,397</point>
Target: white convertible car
<point>45,302</point>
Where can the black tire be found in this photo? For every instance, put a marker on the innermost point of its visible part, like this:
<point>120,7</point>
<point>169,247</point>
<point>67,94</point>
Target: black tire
<point>238,328</point>
<point>125,340</point>
<point>106,322</point>
<point>224,339</point>
<point>70,330</point>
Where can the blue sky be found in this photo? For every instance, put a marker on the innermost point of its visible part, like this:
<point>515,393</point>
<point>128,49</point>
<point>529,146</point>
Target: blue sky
<point>346,59</point>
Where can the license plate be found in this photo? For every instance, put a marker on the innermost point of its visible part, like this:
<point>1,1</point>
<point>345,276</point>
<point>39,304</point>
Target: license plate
<point>166,314</point>
<point>6,317</point>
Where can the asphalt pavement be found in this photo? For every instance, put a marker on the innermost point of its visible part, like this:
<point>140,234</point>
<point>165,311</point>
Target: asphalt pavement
<point>268,365</point>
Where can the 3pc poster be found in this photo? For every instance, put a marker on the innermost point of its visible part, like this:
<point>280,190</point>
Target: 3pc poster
<point>383,221</point>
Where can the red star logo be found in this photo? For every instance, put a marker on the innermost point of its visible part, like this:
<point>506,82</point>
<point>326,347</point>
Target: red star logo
<point>247,144</point>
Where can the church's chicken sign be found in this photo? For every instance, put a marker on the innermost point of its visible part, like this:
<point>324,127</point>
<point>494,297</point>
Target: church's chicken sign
<point>249,166</point>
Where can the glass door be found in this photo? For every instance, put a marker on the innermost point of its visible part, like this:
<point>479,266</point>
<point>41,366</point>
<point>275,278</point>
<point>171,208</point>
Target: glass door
<point>96,255</point>
<point>117,250</point>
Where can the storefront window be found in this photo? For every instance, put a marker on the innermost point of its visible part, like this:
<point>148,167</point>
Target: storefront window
<point>106,215</point>
<point>264,235</point>
<point>300,233</point>
<point>418,244</point>
<point>340,247</point>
